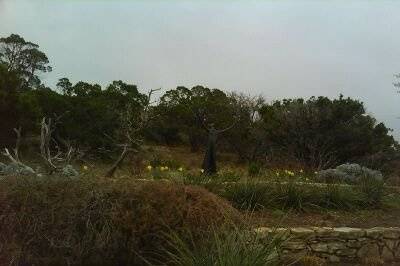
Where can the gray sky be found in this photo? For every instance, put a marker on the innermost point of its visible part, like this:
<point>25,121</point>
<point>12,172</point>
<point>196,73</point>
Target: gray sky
<point>275,48</point>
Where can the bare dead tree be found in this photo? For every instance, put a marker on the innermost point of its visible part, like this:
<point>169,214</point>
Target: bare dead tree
<point>14,155</point>
<point>133,124</point>
<point>55,161</point>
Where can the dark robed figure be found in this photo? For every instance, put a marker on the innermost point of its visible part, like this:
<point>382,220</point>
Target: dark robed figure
<point>210,161</point>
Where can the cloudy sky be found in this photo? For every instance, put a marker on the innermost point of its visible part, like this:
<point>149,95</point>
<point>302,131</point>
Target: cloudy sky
<point>276,48</point>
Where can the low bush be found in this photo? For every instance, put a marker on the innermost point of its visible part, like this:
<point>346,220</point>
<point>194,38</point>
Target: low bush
<point>348,173</point>
<point>63,221</point>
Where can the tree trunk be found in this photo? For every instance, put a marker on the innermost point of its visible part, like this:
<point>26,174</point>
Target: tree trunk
<point>111,171</point>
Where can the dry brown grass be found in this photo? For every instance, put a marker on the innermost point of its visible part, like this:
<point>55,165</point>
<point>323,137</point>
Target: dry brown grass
<point>61,221</point>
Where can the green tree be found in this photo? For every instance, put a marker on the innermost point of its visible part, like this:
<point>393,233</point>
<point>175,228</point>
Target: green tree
<point>184,112</point>
<point>321,132</point>
<point>24,58</point>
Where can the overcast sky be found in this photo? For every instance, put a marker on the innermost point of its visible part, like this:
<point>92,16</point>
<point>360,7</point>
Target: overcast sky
<point>275,48</point>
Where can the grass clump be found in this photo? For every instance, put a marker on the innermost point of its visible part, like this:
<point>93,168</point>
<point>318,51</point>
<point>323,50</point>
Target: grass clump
<point>248,195</point>
<point>254,169</point>
<point>226,247</point>
<point>299,196</point>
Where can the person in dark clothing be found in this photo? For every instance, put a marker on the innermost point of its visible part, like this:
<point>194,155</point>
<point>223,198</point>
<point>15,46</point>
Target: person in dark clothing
<point>210,161</point>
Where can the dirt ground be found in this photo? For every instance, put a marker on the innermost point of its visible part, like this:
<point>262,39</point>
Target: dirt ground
<point>359,219</point>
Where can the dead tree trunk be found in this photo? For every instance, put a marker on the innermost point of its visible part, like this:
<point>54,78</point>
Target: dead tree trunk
<point>117,164</point>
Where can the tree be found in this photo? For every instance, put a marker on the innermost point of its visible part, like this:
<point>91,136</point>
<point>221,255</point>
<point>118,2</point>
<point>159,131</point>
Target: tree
<point>248,138</point>
<point>23,58</point>
<point>135,120</point>
<point>183,111</point>
<point>9,83</point>
<point>320,132</point>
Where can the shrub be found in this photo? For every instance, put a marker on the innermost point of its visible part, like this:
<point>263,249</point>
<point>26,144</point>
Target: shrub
<point>62,221</point>
<point>348,173</point>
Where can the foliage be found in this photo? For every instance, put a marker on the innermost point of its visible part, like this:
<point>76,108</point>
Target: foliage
<point>248,140</point>
<point>193,107</point>
<point>320,132</point>
<point>313,133</point>
<point>227,247</point>
<point>24,58</point>
<point>254,169</point>
<point>292,195</point>
<point>63,221</point>
<point>373,189</point>
<point>349,173</point>
<point>248,195</point>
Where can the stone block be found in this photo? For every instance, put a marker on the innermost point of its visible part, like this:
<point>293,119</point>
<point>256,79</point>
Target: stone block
<point>349,233</point>
<point>387,254</point>
<point>391,233</point>
<point>369,250</point>
<point>320,247</point>
<point>302,233</point>
<point>294,245</point>
<point>347,252</point>
<point>375,232</point>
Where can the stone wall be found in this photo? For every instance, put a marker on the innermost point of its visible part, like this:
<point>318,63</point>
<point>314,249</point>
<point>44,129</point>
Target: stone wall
<point>341,244</point>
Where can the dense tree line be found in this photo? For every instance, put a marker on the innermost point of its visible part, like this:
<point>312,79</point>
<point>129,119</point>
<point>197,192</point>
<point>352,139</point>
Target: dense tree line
<point>317,132</point>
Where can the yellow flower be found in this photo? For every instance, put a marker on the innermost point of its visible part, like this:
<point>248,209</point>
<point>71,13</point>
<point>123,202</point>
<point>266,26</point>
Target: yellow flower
<point>180,169</point>
<point>162,168</point>
<point>149,167</point>
<point>166,167</point>
<point>301,170</point>
<point>85,168</point>
<point>202,170</point>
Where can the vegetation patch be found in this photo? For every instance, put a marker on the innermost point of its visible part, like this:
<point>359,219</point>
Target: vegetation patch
<point>63,221</point>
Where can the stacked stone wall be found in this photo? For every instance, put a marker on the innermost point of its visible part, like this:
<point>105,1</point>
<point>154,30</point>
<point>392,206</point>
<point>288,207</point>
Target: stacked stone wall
<point>340,244</point>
